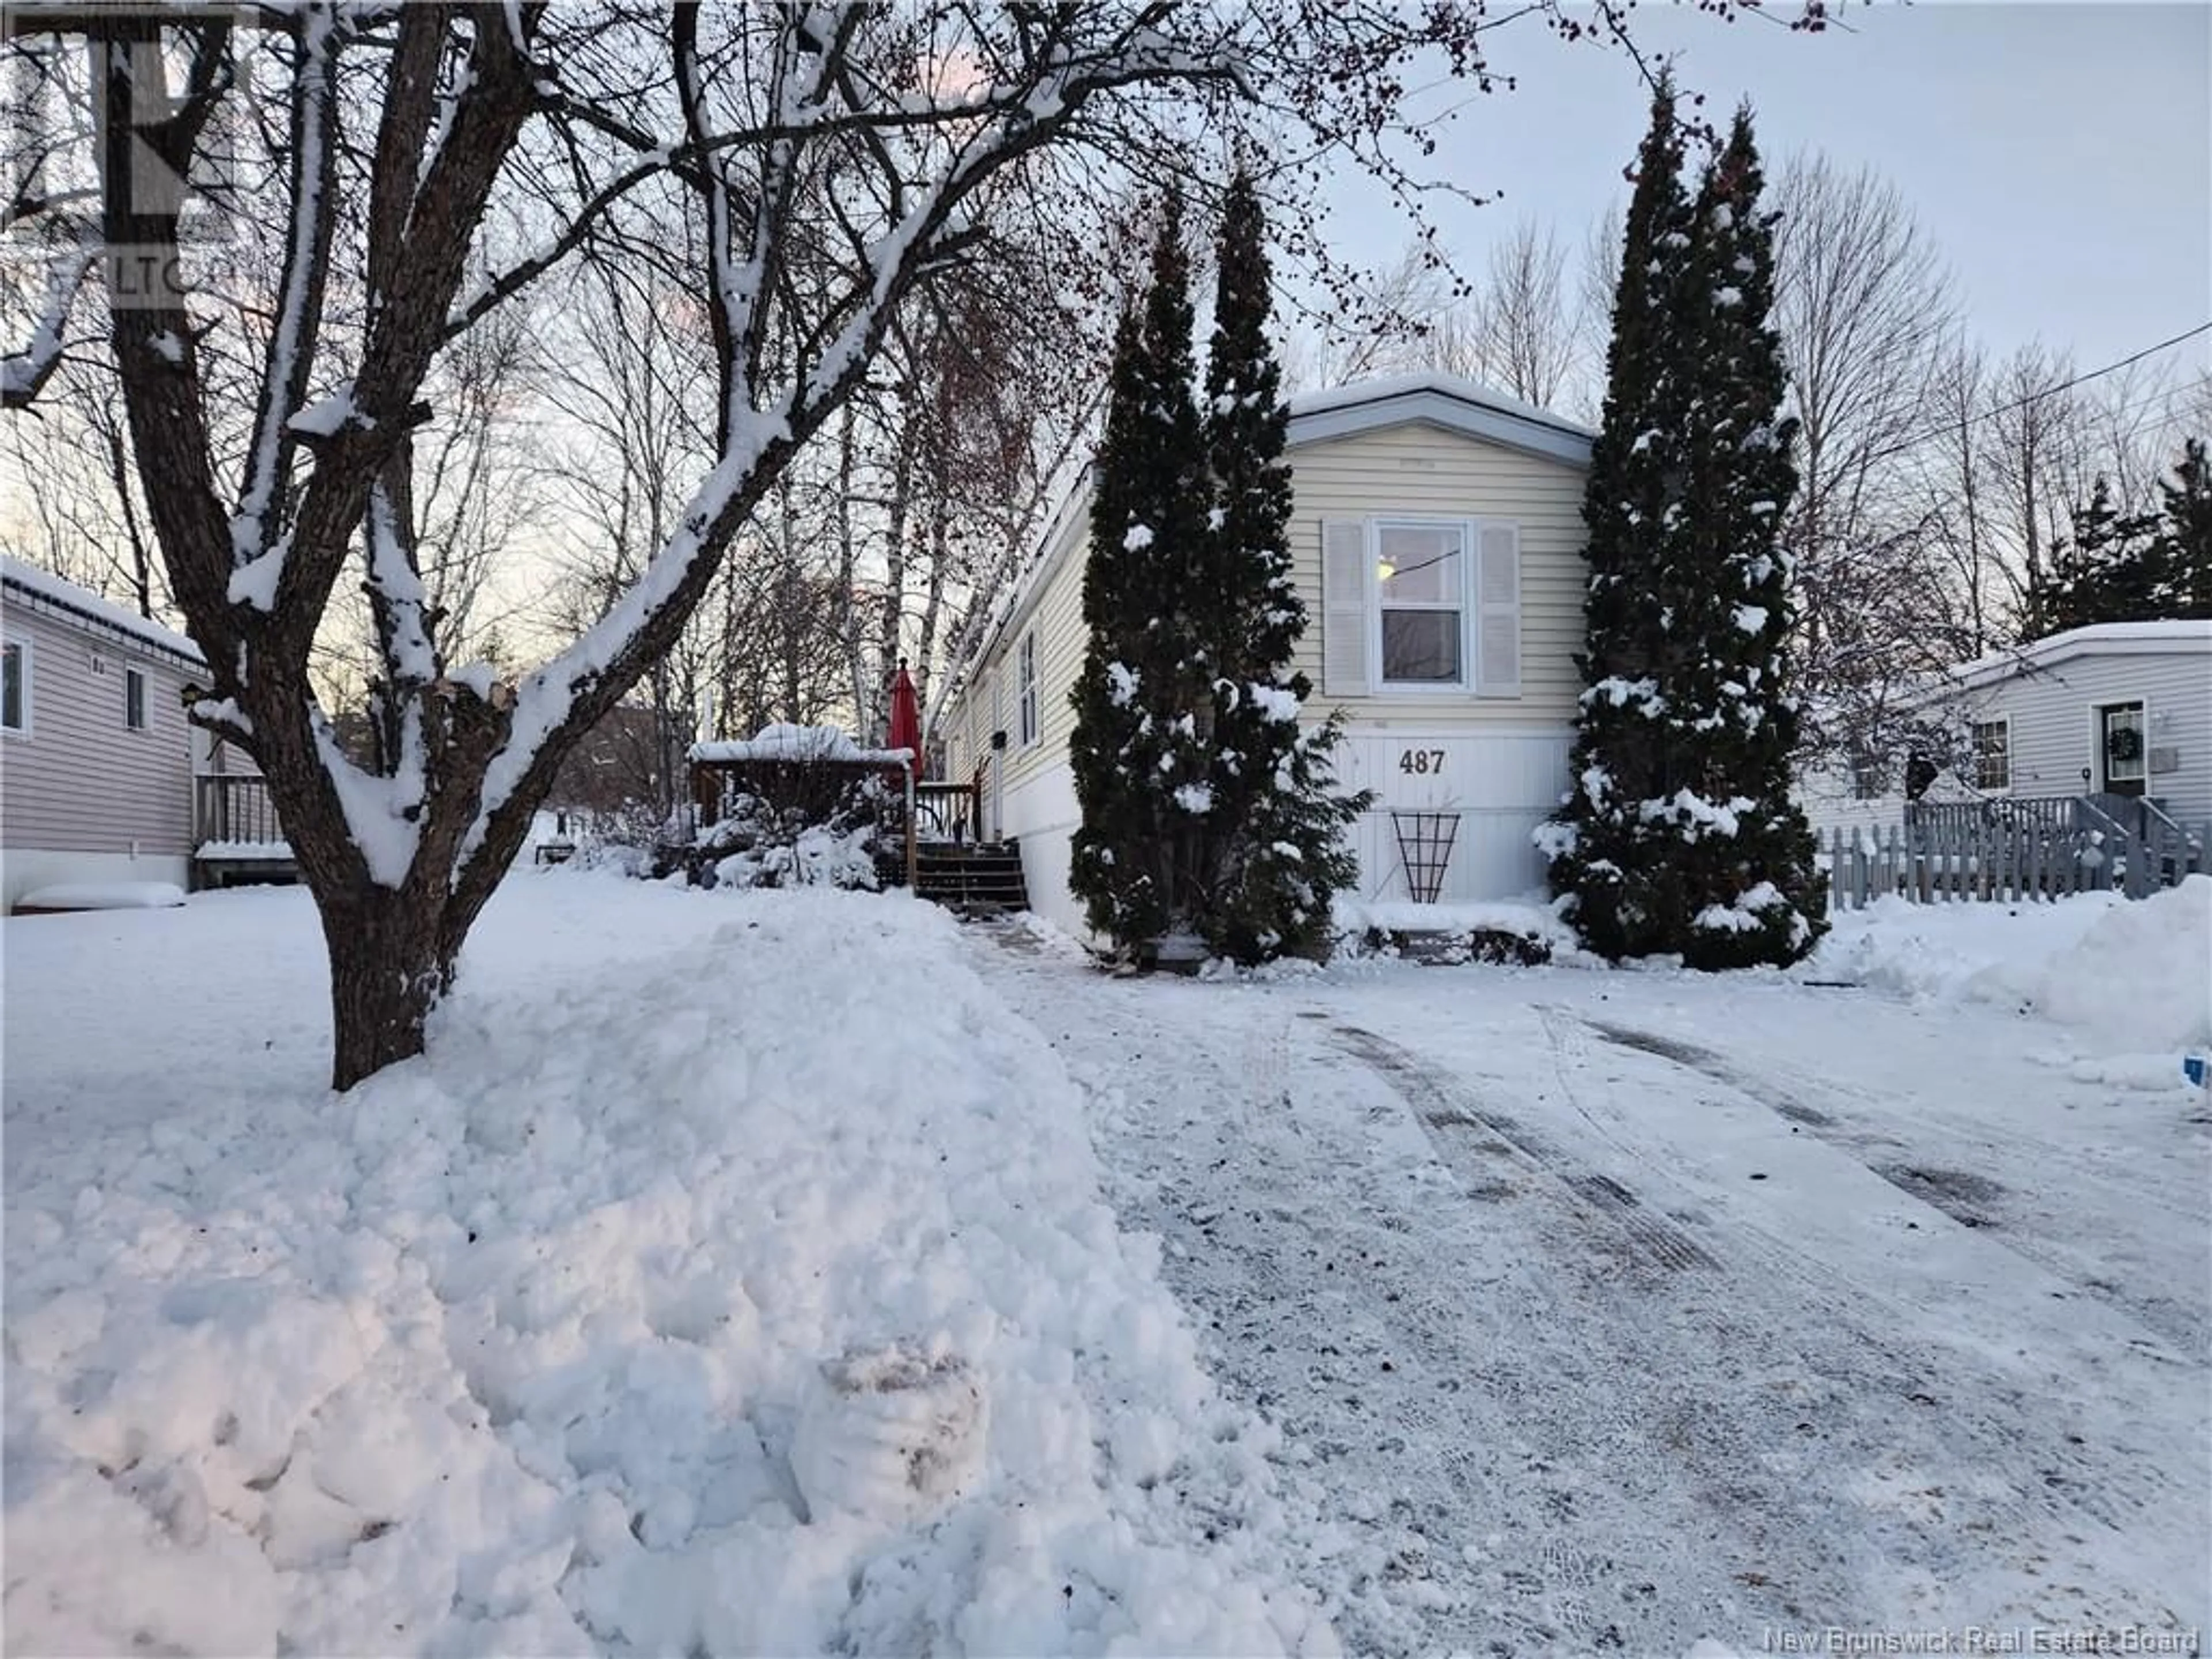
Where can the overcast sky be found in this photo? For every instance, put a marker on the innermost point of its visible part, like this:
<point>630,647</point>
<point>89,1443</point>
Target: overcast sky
<point>2060,156</point>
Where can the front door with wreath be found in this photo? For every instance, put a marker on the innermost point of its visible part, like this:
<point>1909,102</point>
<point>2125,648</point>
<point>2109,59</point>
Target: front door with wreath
<point>2120,748</point>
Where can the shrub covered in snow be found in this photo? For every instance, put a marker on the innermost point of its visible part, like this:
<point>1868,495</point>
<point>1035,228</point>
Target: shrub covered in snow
<point>760,844</point>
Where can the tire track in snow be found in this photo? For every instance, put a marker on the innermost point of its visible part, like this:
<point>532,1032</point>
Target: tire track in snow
<point>1518,1442</point>
<point>1448,1112</point>
<point>2064,1477</point>
<point>1965,1194</point>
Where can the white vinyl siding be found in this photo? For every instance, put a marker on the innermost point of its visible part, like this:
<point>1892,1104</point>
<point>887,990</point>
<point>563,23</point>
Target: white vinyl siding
<point>1992,754</point>
<point>1504,729</point>
<point>2055,732</point>
<point>16,687</point>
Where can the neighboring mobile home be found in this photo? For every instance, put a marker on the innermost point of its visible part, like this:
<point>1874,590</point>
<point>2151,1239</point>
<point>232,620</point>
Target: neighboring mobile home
<point>2114,712</point>
<point>95,756</point>
<point>1437,539</point>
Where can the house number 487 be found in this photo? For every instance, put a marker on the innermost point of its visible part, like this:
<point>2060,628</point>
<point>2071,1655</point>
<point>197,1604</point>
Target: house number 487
<point>1421,760</point>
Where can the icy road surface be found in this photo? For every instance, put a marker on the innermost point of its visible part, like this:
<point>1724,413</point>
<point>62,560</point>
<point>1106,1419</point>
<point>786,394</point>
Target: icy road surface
<point>1626,1310</point>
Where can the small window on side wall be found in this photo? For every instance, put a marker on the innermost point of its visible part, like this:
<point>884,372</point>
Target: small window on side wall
<point>134,698</point>
<point>14,688</point>
<point>1869,776</point>
<point>1026,712</point>
<point>1992,750</point>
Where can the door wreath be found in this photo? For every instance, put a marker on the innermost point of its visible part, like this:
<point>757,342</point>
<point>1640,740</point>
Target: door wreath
<point>2123,743</point>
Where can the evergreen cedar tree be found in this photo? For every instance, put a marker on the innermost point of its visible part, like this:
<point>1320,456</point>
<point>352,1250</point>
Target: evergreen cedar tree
<point>2135,567</point>
<point>1677,834</point>
<point>1205,810</point>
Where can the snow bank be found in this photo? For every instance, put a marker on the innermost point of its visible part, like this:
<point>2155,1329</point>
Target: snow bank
<point>679,1301</point>
<point>103,896</point>
<point>2124,976</point>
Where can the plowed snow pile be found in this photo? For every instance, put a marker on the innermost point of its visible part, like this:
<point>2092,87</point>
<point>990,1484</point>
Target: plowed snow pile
<point>2122,976</point>
<point>681,1303</point>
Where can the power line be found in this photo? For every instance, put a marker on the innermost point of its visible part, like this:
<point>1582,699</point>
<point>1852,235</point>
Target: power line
<point>1948,427</point>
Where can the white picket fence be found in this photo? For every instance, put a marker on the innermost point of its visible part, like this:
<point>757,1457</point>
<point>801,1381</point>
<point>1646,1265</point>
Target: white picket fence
<point>1987,856</point>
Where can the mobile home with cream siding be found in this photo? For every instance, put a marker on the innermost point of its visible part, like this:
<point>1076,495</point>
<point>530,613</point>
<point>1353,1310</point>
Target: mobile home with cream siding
<point>1437,542</point>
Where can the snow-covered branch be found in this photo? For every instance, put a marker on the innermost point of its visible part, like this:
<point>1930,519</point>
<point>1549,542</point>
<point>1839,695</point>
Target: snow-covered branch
<point>22,374</point>
<point>290,361</point>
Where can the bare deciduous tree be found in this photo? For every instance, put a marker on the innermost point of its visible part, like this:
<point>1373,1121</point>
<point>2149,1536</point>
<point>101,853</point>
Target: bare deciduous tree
<point>427,164</point>
<point>1527,327</point>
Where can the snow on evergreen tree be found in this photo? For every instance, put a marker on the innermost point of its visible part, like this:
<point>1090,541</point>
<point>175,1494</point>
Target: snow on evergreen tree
<point>1606,855</point>
<point>1678,832</point>
<point>1141,765</point>
<point>1749,889</point>
<point>1275,855</point>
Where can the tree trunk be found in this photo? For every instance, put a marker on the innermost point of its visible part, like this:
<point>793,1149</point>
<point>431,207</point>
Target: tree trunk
<point>390,961</point>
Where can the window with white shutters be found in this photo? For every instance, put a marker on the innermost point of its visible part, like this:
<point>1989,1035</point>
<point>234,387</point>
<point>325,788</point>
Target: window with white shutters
<point>1420,604</point>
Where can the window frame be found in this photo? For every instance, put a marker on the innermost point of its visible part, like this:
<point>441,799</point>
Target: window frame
<point>21,727</point>
<point>1868,775</point>
<point>1979,754</point>
<point>1469,531</point>
<point>134,698</point>
<point>1027,726</point>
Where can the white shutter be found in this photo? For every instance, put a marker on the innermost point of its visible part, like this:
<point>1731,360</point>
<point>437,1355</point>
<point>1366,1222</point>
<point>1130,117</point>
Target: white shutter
<point>1497,612</point>
<point>1344,608</point>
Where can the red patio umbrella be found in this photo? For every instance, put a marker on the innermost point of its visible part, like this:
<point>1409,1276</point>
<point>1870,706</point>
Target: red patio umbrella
<point>906,718</point>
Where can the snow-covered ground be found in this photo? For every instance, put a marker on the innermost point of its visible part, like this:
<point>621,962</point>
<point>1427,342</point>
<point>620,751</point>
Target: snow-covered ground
<point>522,1349</point>
<point>1619,1310</point>
<point>798,1272</point>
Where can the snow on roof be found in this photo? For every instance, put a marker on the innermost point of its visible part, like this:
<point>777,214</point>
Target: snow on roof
<point>799,743</point>
<point>85,605</point>
<point>2126,639</point>
<point>1385,388</point>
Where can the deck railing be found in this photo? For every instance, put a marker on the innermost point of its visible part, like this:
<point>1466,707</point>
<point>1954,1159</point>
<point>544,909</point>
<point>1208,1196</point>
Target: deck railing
<point>234,811</point>
<point>949,812</point>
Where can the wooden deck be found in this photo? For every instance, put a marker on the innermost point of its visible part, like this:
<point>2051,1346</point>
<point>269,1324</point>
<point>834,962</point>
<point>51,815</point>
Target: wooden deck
<point>237,838</point>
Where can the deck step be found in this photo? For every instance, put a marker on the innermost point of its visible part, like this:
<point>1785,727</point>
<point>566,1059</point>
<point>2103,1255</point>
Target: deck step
<point>974,880</point>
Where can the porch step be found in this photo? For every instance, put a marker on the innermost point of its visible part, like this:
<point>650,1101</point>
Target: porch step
<point>975,881</point>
